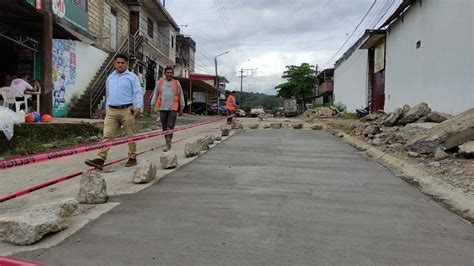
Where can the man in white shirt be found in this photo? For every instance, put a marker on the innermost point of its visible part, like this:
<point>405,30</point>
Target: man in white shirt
<point>19,86</point>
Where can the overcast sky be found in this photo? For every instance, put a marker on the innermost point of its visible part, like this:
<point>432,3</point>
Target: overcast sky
<point>267,35</point>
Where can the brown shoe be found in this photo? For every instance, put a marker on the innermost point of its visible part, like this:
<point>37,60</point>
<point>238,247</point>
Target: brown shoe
<point>167,148</point>
<point>131,162</point>
<point>97,163</point>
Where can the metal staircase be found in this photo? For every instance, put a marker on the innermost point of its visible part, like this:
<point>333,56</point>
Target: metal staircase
<point>95,93</point>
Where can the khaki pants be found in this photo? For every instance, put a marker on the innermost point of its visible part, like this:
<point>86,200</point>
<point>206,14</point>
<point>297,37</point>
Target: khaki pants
<point>114,118</point>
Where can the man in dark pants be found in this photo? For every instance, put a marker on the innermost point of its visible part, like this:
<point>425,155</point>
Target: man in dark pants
<point>168,98</point>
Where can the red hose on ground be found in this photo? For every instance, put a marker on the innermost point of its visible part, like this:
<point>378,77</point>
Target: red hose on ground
<point>50,155</point>
<point>64,178</point>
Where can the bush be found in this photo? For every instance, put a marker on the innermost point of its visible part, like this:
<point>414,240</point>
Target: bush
<point>340,107</point>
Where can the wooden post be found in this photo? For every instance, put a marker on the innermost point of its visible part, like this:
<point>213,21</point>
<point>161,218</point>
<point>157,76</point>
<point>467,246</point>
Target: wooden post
<point>46,98</point>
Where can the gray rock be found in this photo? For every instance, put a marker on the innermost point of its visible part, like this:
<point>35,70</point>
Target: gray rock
<point>169,160</point>
<point>420,125</point>
<point>225,132</point>
<point>377,142</point>
<point>93,189</point>
<point>436,117</point>
<point>406,108</point>
<point>413,154</point>
<point>371,130</point>
<point>422,119</point>
<point>467,149</point>
<point>192,149</point>
<point>253,126</point>
<point>392,119</point>
<point>298,125</point>
<point>370,117</point>
<point>449,134</point>
<point>414,114</point>
<point>276,125</point>
<point>340,135</point>
<point>30,226</point>
<point>217,138</point>
<point>236,124</point>
<point>440,155</point>
<point>317,127</point>
<point>202,145</point>
<point>144,173</point>
<point>209,140</point>
<point>266,126</point>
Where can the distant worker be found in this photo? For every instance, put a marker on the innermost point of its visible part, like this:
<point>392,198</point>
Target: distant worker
<point>231,106</point>
<point>168,98</point>
<point>122,88</point>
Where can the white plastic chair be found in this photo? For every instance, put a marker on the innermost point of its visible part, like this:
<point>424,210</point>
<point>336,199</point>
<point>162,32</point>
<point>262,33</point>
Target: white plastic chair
<point>8,100</point>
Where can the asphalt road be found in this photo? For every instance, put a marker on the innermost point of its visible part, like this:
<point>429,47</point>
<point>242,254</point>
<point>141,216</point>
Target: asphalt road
<point>272,197</point>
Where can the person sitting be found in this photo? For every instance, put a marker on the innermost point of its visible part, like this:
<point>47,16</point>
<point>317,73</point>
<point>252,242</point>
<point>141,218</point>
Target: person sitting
<point>19,86</point>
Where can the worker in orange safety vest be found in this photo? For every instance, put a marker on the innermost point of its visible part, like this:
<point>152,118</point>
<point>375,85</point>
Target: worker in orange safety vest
<point>168,98</point>
<point>231,106</point>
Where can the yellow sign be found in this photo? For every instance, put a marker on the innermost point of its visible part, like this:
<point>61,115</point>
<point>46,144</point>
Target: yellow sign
<point>379,57</point>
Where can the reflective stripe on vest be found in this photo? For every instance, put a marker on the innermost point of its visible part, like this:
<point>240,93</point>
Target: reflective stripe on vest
<point>177,94</point>
<point>230,103</point>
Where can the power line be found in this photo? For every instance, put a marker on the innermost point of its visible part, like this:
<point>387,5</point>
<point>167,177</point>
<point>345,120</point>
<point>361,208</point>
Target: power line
<point>358,25</point>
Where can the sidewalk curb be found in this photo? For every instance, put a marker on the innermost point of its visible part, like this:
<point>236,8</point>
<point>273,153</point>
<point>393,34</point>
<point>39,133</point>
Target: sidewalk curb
<point>457,201</point>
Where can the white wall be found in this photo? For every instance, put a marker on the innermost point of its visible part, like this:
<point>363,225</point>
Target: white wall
<point>350,81</point>
<point>441,71</point>
<point>88,61</point>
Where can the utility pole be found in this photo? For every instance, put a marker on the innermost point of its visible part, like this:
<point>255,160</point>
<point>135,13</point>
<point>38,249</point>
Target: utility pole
<point>46,97</point>
<point>217,78</point>
<point>242,70</point>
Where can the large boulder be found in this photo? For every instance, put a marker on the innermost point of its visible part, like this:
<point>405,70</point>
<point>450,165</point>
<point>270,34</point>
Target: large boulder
<point>467,149</point>
<point>414,114</point>
<point>276,125</point>
<point>317,127</point>
<point>225,132</point>
<point>392,119</point>
<point>93,189</point>
<point>144,173</point>
<point>236,124</point>
<point>253,126</point>
<point>30,226</point>
<point>371,130</point>
<point>192,149</point>
<point>436,117</point>
<point>202,144</point>
<point>446,135</point>
<point>297,125</point>
<point>209,140</point>
<point>217,138</point>
<point>169,160</point>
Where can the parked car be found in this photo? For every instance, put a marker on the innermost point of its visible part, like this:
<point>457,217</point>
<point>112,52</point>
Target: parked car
<point>256,111</point>
<point>212,109</point>
<point>198,108</point>
<point>240,113</point>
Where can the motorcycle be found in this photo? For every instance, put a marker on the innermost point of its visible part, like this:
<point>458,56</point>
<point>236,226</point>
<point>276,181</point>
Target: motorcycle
<point>363,111</point>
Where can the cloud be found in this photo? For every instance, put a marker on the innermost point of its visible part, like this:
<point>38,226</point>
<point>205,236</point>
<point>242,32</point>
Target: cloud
<point>268,35</point>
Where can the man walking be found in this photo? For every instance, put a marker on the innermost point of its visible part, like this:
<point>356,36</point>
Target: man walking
<point>122,88</point>
<point>168,98</point>
<point>231,106</point>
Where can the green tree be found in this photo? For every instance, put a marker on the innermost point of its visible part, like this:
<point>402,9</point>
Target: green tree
<point>300,82</point>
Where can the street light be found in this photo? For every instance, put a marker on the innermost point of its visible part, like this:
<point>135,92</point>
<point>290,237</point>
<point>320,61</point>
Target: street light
<point>217,78</point>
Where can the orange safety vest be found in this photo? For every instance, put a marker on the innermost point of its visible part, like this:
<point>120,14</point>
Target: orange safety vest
<point>230,103</point>
<point>177,94</point>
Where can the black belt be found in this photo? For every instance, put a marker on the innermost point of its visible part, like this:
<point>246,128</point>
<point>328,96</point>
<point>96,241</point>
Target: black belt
<point>120,106</point>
